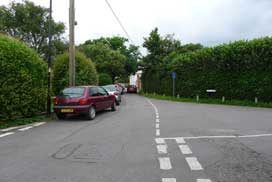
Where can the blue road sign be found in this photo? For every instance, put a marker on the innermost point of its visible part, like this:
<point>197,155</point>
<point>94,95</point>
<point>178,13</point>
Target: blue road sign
<point>174,75</point>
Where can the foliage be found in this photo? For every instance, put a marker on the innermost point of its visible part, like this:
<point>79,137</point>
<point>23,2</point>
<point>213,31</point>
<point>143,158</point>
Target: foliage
<point>29,23</point>
<point>208,101</point>
<point>22,80</point>
<point>106,60</point>
<point>85,71</point>
<point>130,53</point>
<point>104,79</point>
<point>22,121</point>
<point>240,70</point>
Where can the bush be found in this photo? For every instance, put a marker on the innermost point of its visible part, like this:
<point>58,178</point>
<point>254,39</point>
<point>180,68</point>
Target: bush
<point>104,79</point>
<point>85,72</point>
<point>22,79</point>
<point>240,70</point>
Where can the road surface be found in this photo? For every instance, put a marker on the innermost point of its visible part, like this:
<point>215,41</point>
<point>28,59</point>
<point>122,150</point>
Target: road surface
<point>145,140</point>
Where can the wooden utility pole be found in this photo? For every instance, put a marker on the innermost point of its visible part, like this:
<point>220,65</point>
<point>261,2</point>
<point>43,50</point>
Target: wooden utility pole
<point>49,60</point>
<point>72,43</point>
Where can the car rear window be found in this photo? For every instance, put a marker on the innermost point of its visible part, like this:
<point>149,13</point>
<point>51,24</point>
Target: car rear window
<point>73,92</point>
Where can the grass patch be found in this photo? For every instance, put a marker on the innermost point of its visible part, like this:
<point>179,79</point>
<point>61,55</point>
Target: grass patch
<point>209,101</point>
<point>21,121</point>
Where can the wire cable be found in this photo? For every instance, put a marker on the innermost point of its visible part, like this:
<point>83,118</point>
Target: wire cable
<point>119,21</point>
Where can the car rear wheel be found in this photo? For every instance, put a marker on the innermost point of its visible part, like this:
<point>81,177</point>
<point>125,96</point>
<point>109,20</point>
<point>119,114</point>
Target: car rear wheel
<point>91,113</point>
<point>113,106</point>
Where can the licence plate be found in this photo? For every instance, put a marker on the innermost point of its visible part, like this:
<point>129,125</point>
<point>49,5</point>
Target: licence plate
<point>67,110</point>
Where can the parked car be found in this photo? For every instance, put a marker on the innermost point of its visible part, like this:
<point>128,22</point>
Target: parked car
<point>132,89</point>
<point>120,88</point>
<point>83,100</point>
<point>112,90</point>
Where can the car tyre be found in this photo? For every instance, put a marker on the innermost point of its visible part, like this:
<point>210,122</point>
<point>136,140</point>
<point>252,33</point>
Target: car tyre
<point>113,106</point>
<point>117,102</point>
<point>91,113</point>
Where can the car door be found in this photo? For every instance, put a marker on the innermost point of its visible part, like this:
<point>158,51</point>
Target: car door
<point>96,98</point>
<point>105,95</point>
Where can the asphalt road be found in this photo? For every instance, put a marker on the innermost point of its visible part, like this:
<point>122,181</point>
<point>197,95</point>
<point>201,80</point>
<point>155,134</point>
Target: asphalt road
<point>145,140</point>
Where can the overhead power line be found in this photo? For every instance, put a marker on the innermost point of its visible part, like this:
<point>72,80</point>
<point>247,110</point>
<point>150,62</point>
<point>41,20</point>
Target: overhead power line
<point>119,21</point>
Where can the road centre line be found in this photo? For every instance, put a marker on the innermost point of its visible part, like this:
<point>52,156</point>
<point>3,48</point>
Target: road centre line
<point>165,163</point>
<point>157,125</point>
<point>193,163</point>
<point>162,149</point>
<point>158,133</point>
<point>169,180</point>
<point>185,149</point>
<point>26,128</point>
<point>157,120</point>
<point>204,180</point>
<point>6,134</point>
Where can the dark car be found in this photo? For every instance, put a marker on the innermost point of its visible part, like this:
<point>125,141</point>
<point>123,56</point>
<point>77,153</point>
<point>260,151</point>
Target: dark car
<point>83,100</point>
<point>132,89</point>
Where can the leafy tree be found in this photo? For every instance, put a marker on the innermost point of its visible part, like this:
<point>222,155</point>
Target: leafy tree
<point>159,47</point>
<point>106,60</point>
<point>29,23</point>
<point>85,71</point>
<point>116,43</point>
<point>104,79</point>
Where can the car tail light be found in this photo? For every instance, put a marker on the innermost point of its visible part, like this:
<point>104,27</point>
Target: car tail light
<point>83,101</point>
<point>115,93</point>
<point>55,101</point>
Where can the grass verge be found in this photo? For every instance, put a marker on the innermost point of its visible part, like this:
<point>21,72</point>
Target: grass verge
<point>209,101</point>
<point>21,121</point>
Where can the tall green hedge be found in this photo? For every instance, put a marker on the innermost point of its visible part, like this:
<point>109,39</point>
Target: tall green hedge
<point>22,80</point>
<point>85,72</point>
<point>239,70</point>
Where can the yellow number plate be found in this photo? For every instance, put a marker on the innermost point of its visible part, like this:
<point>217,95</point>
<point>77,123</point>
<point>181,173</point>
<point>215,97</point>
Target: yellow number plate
<point>67,110</point>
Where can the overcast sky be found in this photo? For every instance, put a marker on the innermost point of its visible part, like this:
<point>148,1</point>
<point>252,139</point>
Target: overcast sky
<point>209,22</point>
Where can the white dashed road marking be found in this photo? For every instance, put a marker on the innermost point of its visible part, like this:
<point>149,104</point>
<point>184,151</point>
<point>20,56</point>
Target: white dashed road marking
<point>193,163</point>
<point>157,120</point>
<point>26,128</point>
<point>180,140</point>
<point>39,124</point>
<point>162,149</point>
<point>160,141</point>
<point>169,180</point>
<point>157,125</point>
<point>204,180</point>
<point>158,132</point>
<point>12,128</point>
<point>165,163</point>
<point>185,149</point>
<point>6,134</point>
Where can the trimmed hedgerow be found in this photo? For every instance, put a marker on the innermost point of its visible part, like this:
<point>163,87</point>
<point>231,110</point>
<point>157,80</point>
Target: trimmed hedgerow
<point>22,80</point>
<point>240,70</point>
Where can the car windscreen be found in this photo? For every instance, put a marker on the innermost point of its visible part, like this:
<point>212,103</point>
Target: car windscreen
<point>73,92</point>
<point>110,88</point>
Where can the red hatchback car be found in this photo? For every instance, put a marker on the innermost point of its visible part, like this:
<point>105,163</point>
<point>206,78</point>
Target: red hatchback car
<point>85,100</point>
<point>132,89</point>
